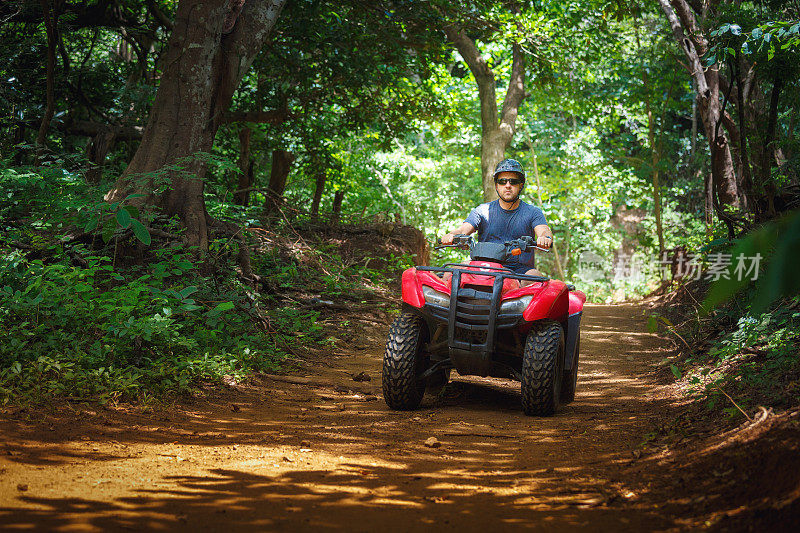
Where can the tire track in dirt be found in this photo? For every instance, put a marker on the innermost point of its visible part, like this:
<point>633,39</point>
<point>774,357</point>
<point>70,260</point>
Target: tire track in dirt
<point>325,452</point>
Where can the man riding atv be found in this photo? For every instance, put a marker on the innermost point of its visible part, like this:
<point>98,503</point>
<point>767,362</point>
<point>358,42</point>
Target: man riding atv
<point>508,218</point>
<point>493,316</point>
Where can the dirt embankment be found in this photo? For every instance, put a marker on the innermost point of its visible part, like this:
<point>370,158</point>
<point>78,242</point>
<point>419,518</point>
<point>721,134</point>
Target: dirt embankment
<point>320,451</point>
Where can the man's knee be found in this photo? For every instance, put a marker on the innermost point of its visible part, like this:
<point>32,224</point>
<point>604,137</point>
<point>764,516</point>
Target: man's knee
<point>531,272</point>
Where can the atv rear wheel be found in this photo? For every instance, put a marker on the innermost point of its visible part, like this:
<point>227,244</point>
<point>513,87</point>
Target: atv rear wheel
<point>403,362</point>
<point>570,381</point>
<point>542,369</point>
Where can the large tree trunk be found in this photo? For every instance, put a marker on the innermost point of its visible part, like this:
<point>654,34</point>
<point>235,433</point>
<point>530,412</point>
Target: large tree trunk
<point>210,49</point>
<point>694,45</point>
<point>281,165</point>
<point>496,132</point>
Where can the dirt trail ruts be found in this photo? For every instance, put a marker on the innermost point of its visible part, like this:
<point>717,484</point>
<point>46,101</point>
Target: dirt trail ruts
<point>329,454</point>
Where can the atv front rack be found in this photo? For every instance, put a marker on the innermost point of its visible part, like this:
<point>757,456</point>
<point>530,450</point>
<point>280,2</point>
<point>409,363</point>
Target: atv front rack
<point>470,312</point>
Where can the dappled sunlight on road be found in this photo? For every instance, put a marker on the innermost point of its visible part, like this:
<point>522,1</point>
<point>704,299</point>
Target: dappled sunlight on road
<point>315,455</point>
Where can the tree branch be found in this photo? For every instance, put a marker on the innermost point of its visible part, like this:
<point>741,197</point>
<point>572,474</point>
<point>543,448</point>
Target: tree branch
<point>159,15</point>
<point>482,73</point>
<point>688,47</point>
<point>516,89</point>
<point>690,24</point>
<point>239,48</point>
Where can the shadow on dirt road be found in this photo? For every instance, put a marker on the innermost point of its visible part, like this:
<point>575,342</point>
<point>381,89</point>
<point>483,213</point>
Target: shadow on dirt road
<point>326,453</point>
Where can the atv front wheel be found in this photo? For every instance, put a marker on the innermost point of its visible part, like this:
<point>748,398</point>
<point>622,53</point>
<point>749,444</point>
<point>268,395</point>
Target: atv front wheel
<point>403,362</point>
<point>437,381</point>
<point>570,382</point>
<point>542,369</point>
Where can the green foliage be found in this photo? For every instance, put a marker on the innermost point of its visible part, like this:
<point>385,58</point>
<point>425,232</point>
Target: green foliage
<point>95,331</point>
<point>778,244</point>
<point>757,363</point>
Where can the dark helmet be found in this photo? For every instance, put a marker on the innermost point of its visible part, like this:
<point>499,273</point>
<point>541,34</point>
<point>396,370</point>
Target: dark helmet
<point>509,165</point>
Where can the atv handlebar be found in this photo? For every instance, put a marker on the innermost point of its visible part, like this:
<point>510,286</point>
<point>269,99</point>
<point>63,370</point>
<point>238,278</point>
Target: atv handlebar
<point>523,244</point>
<point>464,242</point>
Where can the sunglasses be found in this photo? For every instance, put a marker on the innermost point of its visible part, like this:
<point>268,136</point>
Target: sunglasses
<point>512,181</point>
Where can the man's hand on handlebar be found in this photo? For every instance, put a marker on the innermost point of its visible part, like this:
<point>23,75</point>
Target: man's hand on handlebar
<point>448,238</point>
<point>545,241</point>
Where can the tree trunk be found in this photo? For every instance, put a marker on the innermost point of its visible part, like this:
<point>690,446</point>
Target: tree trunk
<point>319,187</point>
<point>246,164</point>
<point>281,165</point>
<point>693,142</point>
<point>336,215</point>
<point>203,66</point>
<point>768,157</point>
<point>708,189</point>
<point>496,133</point>
<point>96,153</point>
<point>49,25</point>
<point>694,45</point>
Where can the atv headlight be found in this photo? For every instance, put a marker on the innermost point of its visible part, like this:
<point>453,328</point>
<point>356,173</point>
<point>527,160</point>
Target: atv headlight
<point>435,297</point>
<point>517,305</point>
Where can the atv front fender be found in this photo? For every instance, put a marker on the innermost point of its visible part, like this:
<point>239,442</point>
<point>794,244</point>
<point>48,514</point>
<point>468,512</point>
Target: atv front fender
<point>552,302</point>
<point>412,286</point>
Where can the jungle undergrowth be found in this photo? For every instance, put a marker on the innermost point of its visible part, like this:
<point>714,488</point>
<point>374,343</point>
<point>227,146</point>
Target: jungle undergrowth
<point>120,316</point>
<point>735,360</point>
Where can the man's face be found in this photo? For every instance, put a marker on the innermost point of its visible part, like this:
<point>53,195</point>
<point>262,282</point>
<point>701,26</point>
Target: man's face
<point>506,190</point>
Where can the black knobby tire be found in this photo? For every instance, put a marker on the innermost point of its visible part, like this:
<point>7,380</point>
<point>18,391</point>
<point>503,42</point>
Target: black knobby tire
<point>403,362</point>
<point>570,381</point>
<point>542,369</point>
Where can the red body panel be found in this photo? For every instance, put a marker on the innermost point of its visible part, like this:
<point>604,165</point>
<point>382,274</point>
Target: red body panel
<point>551,299</point>
<point>576,301</point>
<point>412,288</point>
<point>552,302</point>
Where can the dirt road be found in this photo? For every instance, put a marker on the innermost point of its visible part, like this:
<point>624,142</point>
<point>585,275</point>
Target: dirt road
<point>326,453</point>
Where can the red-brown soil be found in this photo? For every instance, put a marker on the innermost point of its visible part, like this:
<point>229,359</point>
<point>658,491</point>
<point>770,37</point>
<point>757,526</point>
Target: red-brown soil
<point>322,452</point>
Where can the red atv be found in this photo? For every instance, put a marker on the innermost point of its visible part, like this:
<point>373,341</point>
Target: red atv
<point>477,319</point>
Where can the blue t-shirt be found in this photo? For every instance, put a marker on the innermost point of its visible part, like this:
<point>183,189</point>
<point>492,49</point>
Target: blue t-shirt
<point>495,224</point>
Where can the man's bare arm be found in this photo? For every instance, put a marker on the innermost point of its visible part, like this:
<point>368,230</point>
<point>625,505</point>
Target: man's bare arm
<point>544,236</point>
<point>464,229</point>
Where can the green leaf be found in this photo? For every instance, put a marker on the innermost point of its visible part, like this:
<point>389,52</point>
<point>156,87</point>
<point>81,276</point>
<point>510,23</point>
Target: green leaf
<point>652,323</point>
<point>123,218</point>
<point>132,196</point>
<point>779,242</point>
<point>221,307</point>
<point>92,225</point>
<point>191,289</point>
<point>675,371</point>
<point>108,232</point>
<point>756,33</point>
<point>141,232</point>
<point>736,29</point>
<point>132,210</point>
